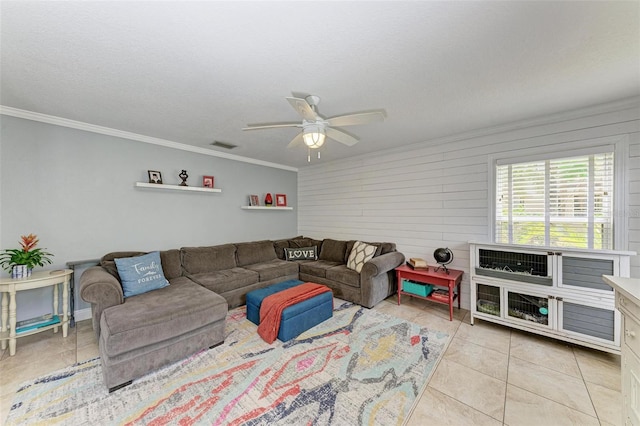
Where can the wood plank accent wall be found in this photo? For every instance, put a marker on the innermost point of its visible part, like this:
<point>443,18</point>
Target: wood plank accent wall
<point>436,194</point>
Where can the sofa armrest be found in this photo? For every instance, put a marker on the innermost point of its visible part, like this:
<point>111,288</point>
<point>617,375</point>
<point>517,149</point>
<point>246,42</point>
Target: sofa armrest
<point>102,290</point>
<point>377,278</point>
<point>381,264</point>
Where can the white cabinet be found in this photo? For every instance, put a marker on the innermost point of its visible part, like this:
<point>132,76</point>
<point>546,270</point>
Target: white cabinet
<point>627,292</point>
<point>548,291</point>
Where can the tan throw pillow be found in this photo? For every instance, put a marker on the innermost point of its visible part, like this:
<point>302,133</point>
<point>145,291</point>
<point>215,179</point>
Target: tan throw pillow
<point>360,254</point>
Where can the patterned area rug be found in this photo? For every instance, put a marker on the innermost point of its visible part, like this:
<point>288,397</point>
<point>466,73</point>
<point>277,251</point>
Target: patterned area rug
<point>361,367</point>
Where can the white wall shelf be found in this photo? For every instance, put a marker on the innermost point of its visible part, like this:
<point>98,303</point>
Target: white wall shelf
<point>265,208</point>
<point>176,187</point>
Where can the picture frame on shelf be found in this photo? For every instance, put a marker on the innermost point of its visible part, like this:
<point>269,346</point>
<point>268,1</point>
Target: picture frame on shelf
<point>281,200</point>
<point>155,176</point>
<point>254,200</point>
<point>207,181</point>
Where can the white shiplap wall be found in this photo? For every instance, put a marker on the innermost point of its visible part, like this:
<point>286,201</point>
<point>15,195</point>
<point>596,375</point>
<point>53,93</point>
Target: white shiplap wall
<point>435,194</point>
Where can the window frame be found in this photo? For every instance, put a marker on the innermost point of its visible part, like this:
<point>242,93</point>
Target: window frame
<point>617,144</point>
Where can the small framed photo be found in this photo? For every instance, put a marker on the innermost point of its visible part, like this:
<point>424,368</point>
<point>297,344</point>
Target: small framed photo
<point>207,181</point>
<point>254,200</point>
<point>281,200</point>
<point>155,176</point>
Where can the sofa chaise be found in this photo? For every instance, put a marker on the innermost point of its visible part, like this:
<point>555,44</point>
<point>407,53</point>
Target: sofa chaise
<point>144,332</point>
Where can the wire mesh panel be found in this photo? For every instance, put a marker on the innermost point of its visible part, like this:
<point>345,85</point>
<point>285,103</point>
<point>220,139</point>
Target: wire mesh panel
<point>525,267</point>
<point>528,307</point>
<point>488,299</point>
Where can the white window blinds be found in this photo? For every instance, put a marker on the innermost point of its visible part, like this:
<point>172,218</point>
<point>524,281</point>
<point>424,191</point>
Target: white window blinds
<point>561,202</point>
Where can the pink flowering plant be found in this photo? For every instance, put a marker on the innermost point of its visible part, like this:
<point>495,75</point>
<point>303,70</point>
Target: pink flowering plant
<point>27,254</point>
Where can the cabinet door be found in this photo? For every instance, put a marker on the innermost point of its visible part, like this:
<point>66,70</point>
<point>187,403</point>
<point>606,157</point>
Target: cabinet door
<point>488,299</point>
<point>630,387</point>
<point>531,267</point>
<point>589,321</point>
<point>584,271</point>
<point>531,308</point>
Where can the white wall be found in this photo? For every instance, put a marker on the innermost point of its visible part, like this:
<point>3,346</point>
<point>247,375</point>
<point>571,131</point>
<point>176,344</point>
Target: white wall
<point>75,190</point>
<point>435,194</point>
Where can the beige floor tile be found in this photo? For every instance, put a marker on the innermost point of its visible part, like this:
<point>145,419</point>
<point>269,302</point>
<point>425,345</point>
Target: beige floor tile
<point>32,348</point>
<point>550,353</point>
<point>479,358</point>
<point>86,337</point>
<point>87,352</point>
<point>441,309</point>
<point>477,390</point>
<point>603,373</point>
<point>524,408</point>
<point>467,317</point>
<point>581,351</point>
<point>489,335</point>
<point>436,408</point>
<point>544,382</point>
<point>608,403</point>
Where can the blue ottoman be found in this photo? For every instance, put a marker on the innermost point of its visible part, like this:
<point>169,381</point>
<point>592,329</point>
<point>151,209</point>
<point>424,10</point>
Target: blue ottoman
<point>295,319</point>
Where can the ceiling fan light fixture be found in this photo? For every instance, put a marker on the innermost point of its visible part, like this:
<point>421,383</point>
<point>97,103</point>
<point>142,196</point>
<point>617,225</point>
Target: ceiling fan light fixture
<point>313,136</point>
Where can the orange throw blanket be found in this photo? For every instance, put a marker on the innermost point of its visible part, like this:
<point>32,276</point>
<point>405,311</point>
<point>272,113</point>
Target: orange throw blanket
<point>273,305</point>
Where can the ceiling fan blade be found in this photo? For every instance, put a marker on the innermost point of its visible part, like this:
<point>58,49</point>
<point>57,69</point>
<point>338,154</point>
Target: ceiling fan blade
<point>354,119</point>
<point>270,126</point>
<point>302,107</point>
<point>296,141</point>
<point>340,136</point>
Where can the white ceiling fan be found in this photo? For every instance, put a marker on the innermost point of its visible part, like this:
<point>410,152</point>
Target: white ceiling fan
<point>315,128</point>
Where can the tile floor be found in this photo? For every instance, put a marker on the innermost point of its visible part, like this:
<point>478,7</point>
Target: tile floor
<point>489,375</point>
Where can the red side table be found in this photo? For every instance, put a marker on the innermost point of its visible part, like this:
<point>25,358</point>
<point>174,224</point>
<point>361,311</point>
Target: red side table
<point>430,276</point>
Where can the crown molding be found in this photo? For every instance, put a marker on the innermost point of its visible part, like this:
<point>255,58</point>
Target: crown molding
<point>79,125</point>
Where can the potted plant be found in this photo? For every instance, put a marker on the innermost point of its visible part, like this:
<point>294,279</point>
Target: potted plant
<point>22,261</point>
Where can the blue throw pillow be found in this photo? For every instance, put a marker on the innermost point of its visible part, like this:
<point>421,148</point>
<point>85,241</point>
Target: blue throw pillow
<point>141,274</point>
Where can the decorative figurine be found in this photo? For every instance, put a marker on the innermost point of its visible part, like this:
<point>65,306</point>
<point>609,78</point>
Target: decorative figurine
<point>183,175</point>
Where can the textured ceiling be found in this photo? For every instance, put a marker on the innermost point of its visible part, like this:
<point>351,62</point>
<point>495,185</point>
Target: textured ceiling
<point>195,72</point>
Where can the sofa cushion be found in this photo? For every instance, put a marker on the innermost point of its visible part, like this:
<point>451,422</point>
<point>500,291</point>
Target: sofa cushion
<point>141,274</point>
<point>344,275</point>
<point>317,268</point>
<point>385,248</point>
<point>300,242</point>
<point>302,253</point>
<point>171,263</point>
<point>279,246</point>
<point>156,316</point>
<point>198,260</point>
<point>226,280</point>
<point>254,252</point>
<point>107,260</point>
<point>273,269</point>
<point>333,250</point>
<point>360,254</point>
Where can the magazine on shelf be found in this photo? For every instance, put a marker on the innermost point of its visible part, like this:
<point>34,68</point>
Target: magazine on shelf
<point>38,322</point>
<point>440,294</point>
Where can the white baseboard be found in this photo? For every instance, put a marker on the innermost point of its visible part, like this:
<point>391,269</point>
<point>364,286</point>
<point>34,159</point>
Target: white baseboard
<point>82,314</point>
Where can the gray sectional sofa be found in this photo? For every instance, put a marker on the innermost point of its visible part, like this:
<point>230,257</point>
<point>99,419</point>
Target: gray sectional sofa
<point>141,333</point>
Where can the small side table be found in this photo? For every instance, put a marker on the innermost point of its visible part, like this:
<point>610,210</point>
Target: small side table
<point>450,280</point>
<point>10,286</point>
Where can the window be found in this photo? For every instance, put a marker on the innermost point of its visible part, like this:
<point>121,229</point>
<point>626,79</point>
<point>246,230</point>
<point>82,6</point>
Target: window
<point>560,202</point>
